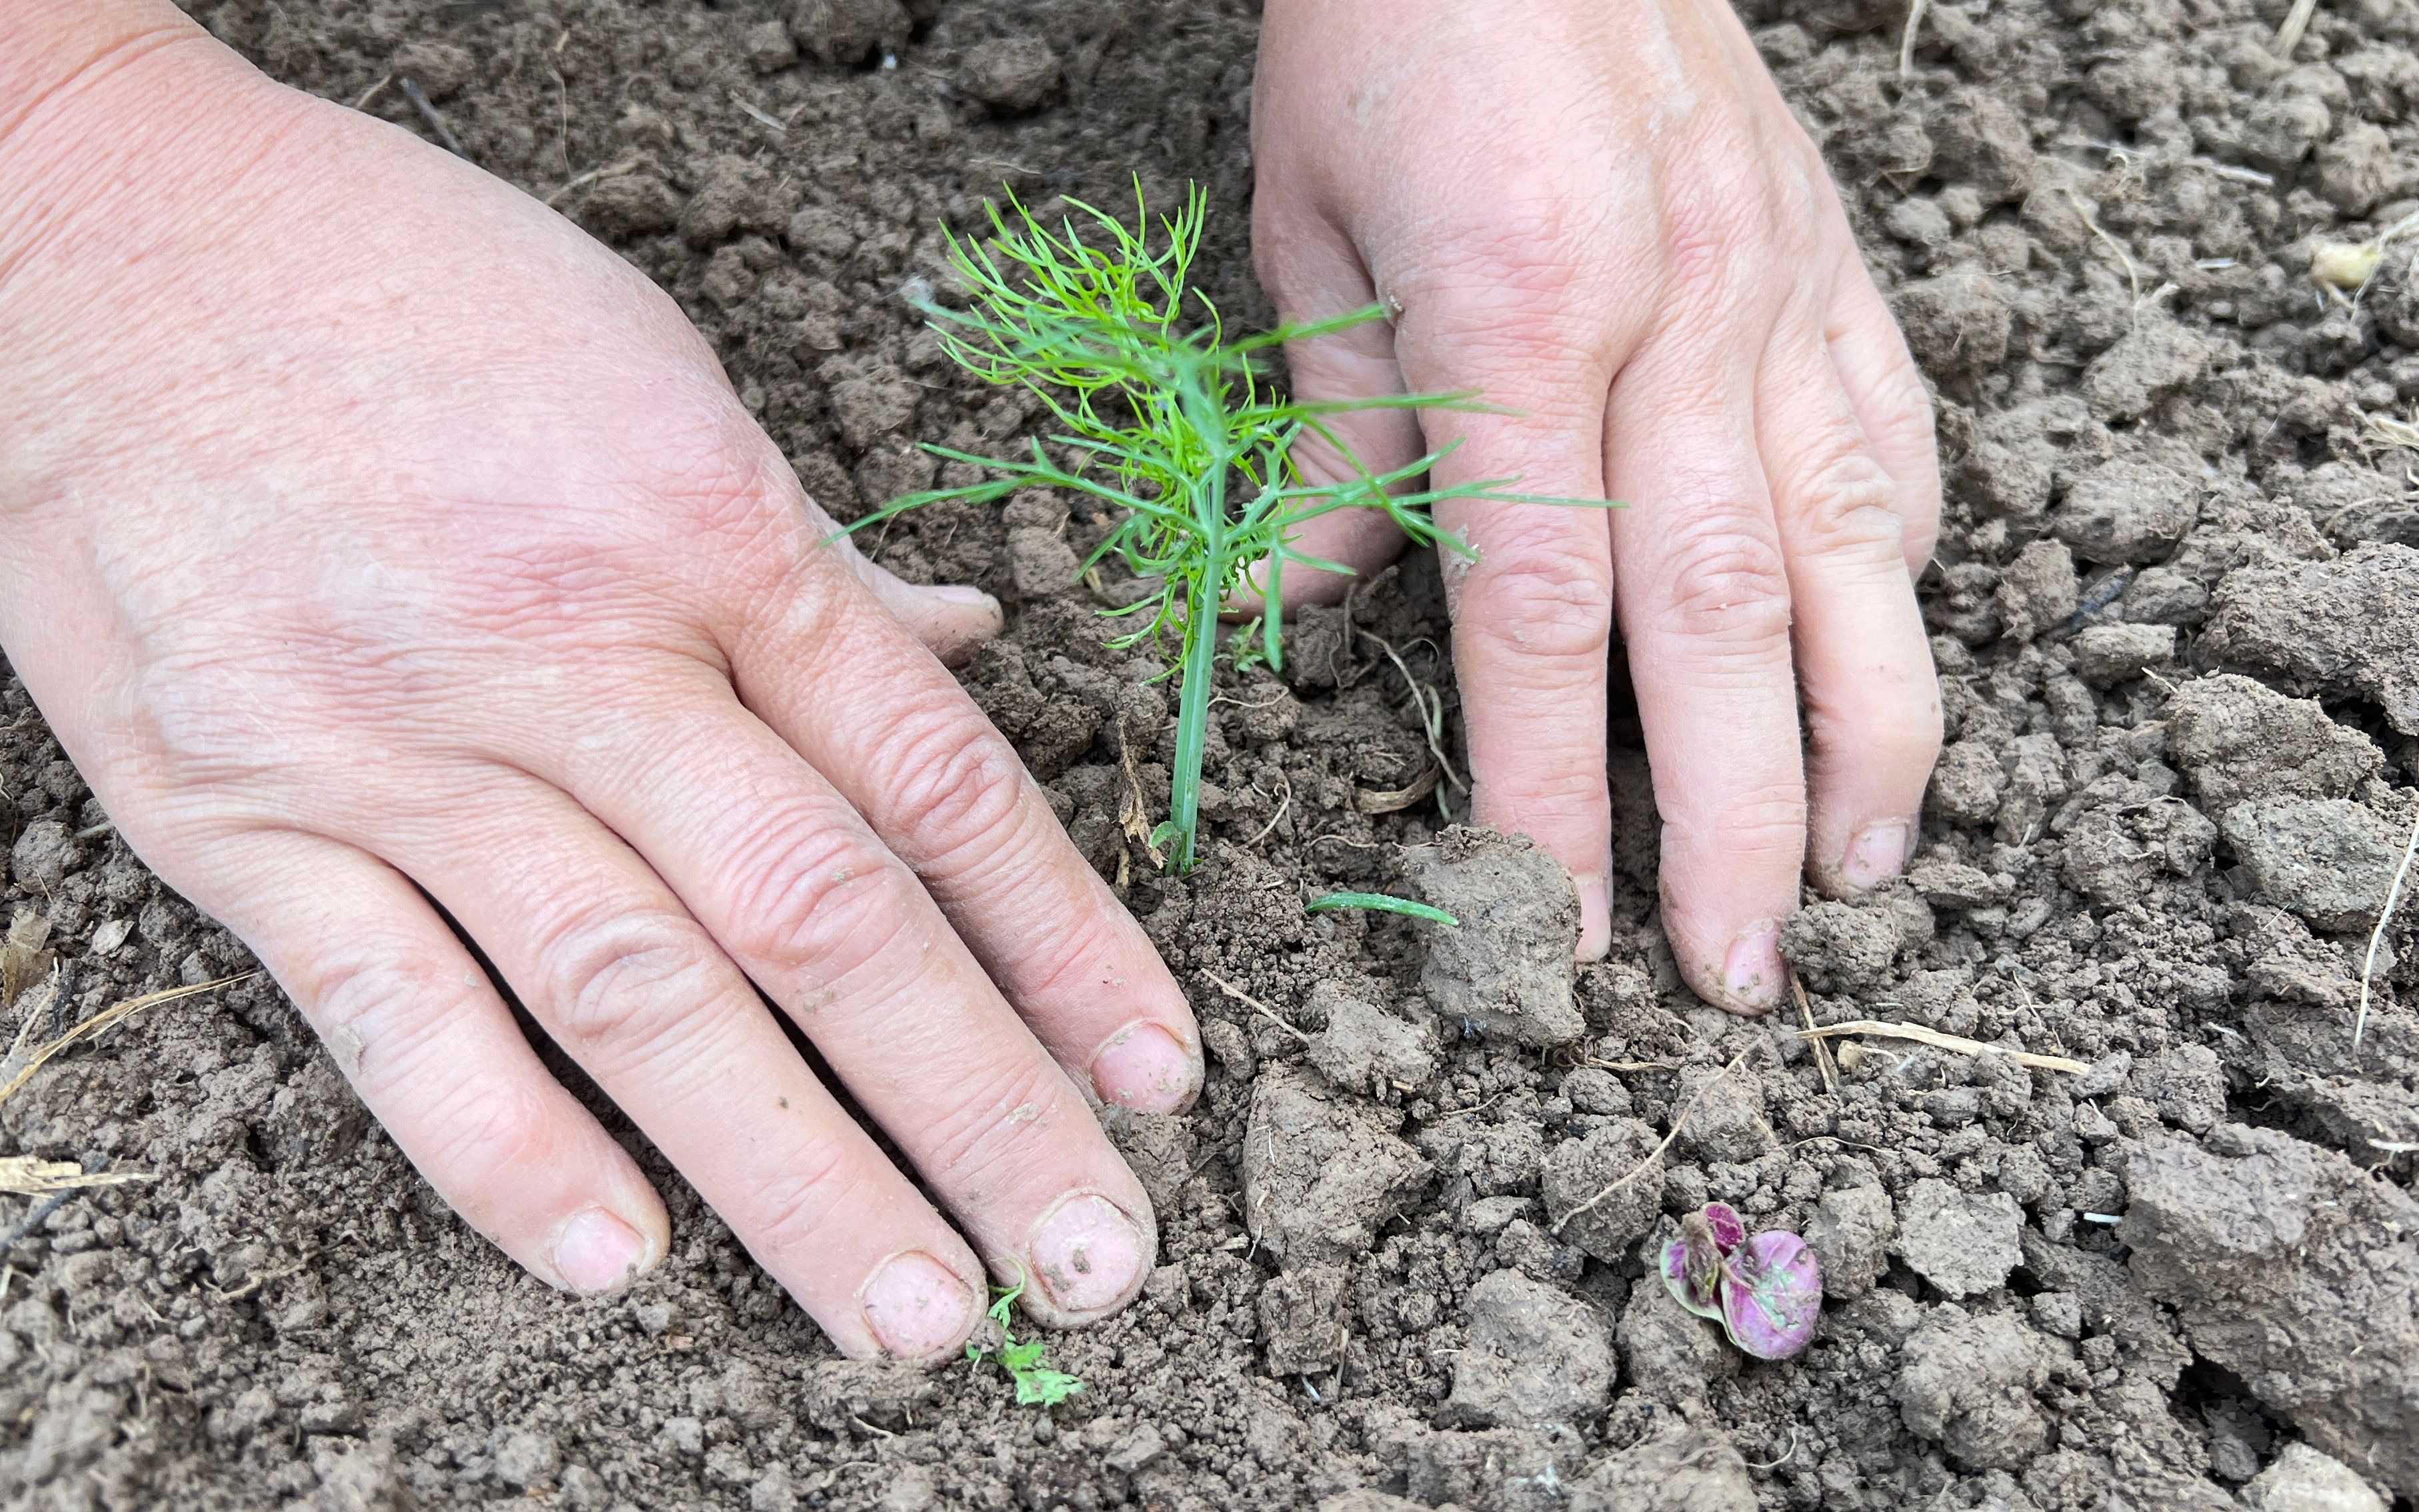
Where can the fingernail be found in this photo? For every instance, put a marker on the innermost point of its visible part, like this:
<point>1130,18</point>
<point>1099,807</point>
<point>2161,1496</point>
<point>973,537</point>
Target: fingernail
<point>1087,1254</point>
<point>958,593</point>
<point>1596,911</point>
<point>1751,974</point>
<point>1875,855</point>
<point>597,1251</point>
<point>1145,1069</point>
<point>917,1307</point>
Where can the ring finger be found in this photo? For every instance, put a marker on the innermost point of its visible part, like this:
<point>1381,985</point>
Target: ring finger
<point>615,969</point>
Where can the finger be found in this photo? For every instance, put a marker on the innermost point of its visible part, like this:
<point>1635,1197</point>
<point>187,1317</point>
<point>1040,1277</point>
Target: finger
<point>1533,604</point>
<point>950,619</point>
<point>1871,703</point>
<point>623,979</point>
<point>1891,404</point>
<point>435,1057</point>
<point>1312,273</point>
<point>1705,612</point>
<point>947,796</point>
<point>791,883</point>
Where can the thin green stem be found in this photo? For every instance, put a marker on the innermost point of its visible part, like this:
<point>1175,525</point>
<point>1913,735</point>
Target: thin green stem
<point>1193,718</point>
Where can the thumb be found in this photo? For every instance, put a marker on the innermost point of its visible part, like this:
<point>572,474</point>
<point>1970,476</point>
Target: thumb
<point>950,619</point>
<point>1314,274</point>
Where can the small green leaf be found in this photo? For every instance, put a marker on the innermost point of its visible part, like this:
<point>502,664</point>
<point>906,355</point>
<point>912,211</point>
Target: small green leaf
<point>1046,1388</point>
<point>1020,1358</point>
<point>1379,903</point>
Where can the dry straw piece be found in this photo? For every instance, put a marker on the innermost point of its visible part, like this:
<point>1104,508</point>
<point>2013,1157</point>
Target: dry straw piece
<point>2377,935</point>
<point>1884,1029</point>
<point>24,1175</point>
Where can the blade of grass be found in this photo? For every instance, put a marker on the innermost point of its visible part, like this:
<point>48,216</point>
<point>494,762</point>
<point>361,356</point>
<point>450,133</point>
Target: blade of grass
<point>1379,903</point>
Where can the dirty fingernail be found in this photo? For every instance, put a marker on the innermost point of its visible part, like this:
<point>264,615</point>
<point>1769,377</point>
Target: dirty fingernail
<point>1751,973</point>
<point>1875,855</point>
<point>917,1307</point>
<point>1596,911</point>
<point>597,1251</point>
<point>1145,1069</point>
<point>1087,1254</point>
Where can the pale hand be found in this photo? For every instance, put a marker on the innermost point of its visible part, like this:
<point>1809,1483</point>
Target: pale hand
<point>368,530</point>
<point>1600,214</point>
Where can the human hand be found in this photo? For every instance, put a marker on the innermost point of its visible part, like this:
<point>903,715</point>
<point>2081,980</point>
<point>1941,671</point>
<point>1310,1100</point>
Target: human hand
<point>1602,218</point>
<point>367,531</point>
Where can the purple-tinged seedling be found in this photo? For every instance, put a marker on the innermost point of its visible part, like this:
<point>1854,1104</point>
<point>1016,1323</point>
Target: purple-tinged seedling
<point>1768,1290</point>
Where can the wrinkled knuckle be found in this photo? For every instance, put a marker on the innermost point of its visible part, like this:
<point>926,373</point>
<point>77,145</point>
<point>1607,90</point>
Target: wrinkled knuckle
<point>373,1011</point>
<point>1762,820</point>
<point>1897,732</point>
<point>1901,403</point>
<point>1846,504</point>
<point>818,905</point>
<point>996,1118</point>
<point>1713,224</point>
<point>960,785</point>
<point>796,1206</point>
<point>1728,583</point>
<point>617,984</point>
<point>499,1125</point>
<point>1550,595</point>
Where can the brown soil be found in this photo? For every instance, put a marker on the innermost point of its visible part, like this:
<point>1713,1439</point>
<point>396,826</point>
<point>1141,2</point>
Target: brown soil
<point>2176,603</point>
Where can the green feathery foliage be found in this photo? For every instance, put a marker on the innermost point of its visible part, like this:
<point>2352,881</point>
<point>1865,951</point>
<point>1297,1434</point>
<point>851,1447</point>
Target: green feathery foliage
<point>1176,427</point>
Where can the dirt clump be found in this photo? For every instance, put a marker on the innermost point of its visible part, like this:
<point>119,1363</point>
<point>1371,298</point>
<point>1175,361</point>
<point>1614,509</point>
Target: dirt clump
<point>1535,1356</point>
<point>2341,628</point>
<point>1963,1242</point>
<point>2295,1272</point>
<point>1969,1381</point>
<point>2236,739</point>
<point>1506,969</point>
<point>1319,1171</point>
<point>2328,859</point>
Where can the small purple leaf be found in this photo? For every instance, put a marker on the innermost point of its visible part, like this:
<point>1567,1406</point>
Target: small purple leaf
<point>1730,1230</point>
<point>1772,1293</point>
<point>1692,1268</point>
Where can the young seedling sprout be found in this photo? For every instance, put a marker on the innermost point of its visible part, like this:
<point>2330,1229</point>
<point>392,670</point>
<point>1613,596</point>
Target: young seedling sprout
<point>1036,1384</point>
<point>1166,419</point>
<point>1766,1290</point>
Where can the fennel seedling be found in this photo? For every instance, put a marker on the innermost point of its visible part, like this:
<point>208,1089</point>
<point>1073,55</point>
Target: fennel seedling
<point>1176,427</point>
